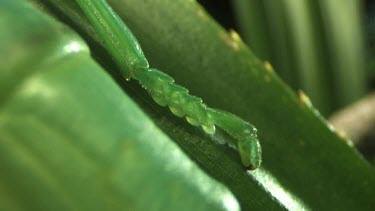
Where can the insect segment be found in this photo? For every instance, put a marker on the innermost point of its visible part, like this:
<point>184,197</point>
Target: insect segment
<point>166,93</point>
<point>245,135</point>
<point>125,49</point>
<point>118,39</point>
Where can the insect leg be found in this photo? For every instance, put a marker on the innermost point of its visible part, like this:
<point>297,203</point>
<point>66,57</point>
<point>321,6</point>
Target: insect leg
<point>117,37</point>
<point>166,93</point>
<point>124,47</point>
<point>243,132</point>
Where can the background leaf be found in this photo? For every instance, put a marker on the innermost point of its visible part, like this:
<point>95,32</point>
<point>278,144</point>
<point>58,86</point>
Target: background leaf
<point>316,46</point>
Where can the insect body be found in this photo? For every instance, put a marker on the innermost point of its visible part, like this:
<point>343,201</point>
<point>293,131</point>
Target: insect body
<point>127,52</point>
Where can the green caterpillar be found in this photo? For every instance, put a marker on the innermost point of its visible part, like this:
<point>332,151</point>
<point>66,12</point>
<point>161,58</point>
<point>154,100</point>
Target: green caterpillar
<point>127,52</point>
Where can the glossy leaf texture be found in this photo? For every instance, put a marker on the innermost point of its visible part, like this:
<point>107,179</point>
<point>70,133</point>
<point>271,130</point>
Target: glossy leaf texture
<point>71,139</point>
<point>306,165</point>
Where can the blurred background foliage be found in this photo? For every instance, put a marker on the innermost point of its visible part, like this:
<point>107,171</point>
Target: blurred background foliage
<point>325,48</point>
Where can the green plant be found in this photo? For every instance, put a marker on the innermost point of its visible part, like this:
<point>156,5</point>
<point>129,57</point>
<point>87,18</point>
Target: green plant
<point>125,48</point>
<point>114,156</point>
<point>316,46</point>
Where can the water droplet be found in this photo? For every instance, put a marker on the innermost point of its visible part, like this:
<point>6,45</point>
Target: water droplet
<point>192,121</point>
<point>176,111</point>
<point>209,129</point>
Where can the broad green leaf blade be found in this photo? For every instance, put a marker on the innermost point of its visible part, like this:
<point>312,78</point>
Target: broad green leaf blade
<point>72,140</point>
<point>222,160</point>
<point>306,164</point>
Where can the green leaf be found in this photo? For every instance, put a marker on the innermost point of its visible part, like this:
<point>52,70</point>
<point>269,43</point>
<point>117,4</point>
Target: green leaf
<point>305,165</point>
<point>315,45</point>
<point>71,139</point>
